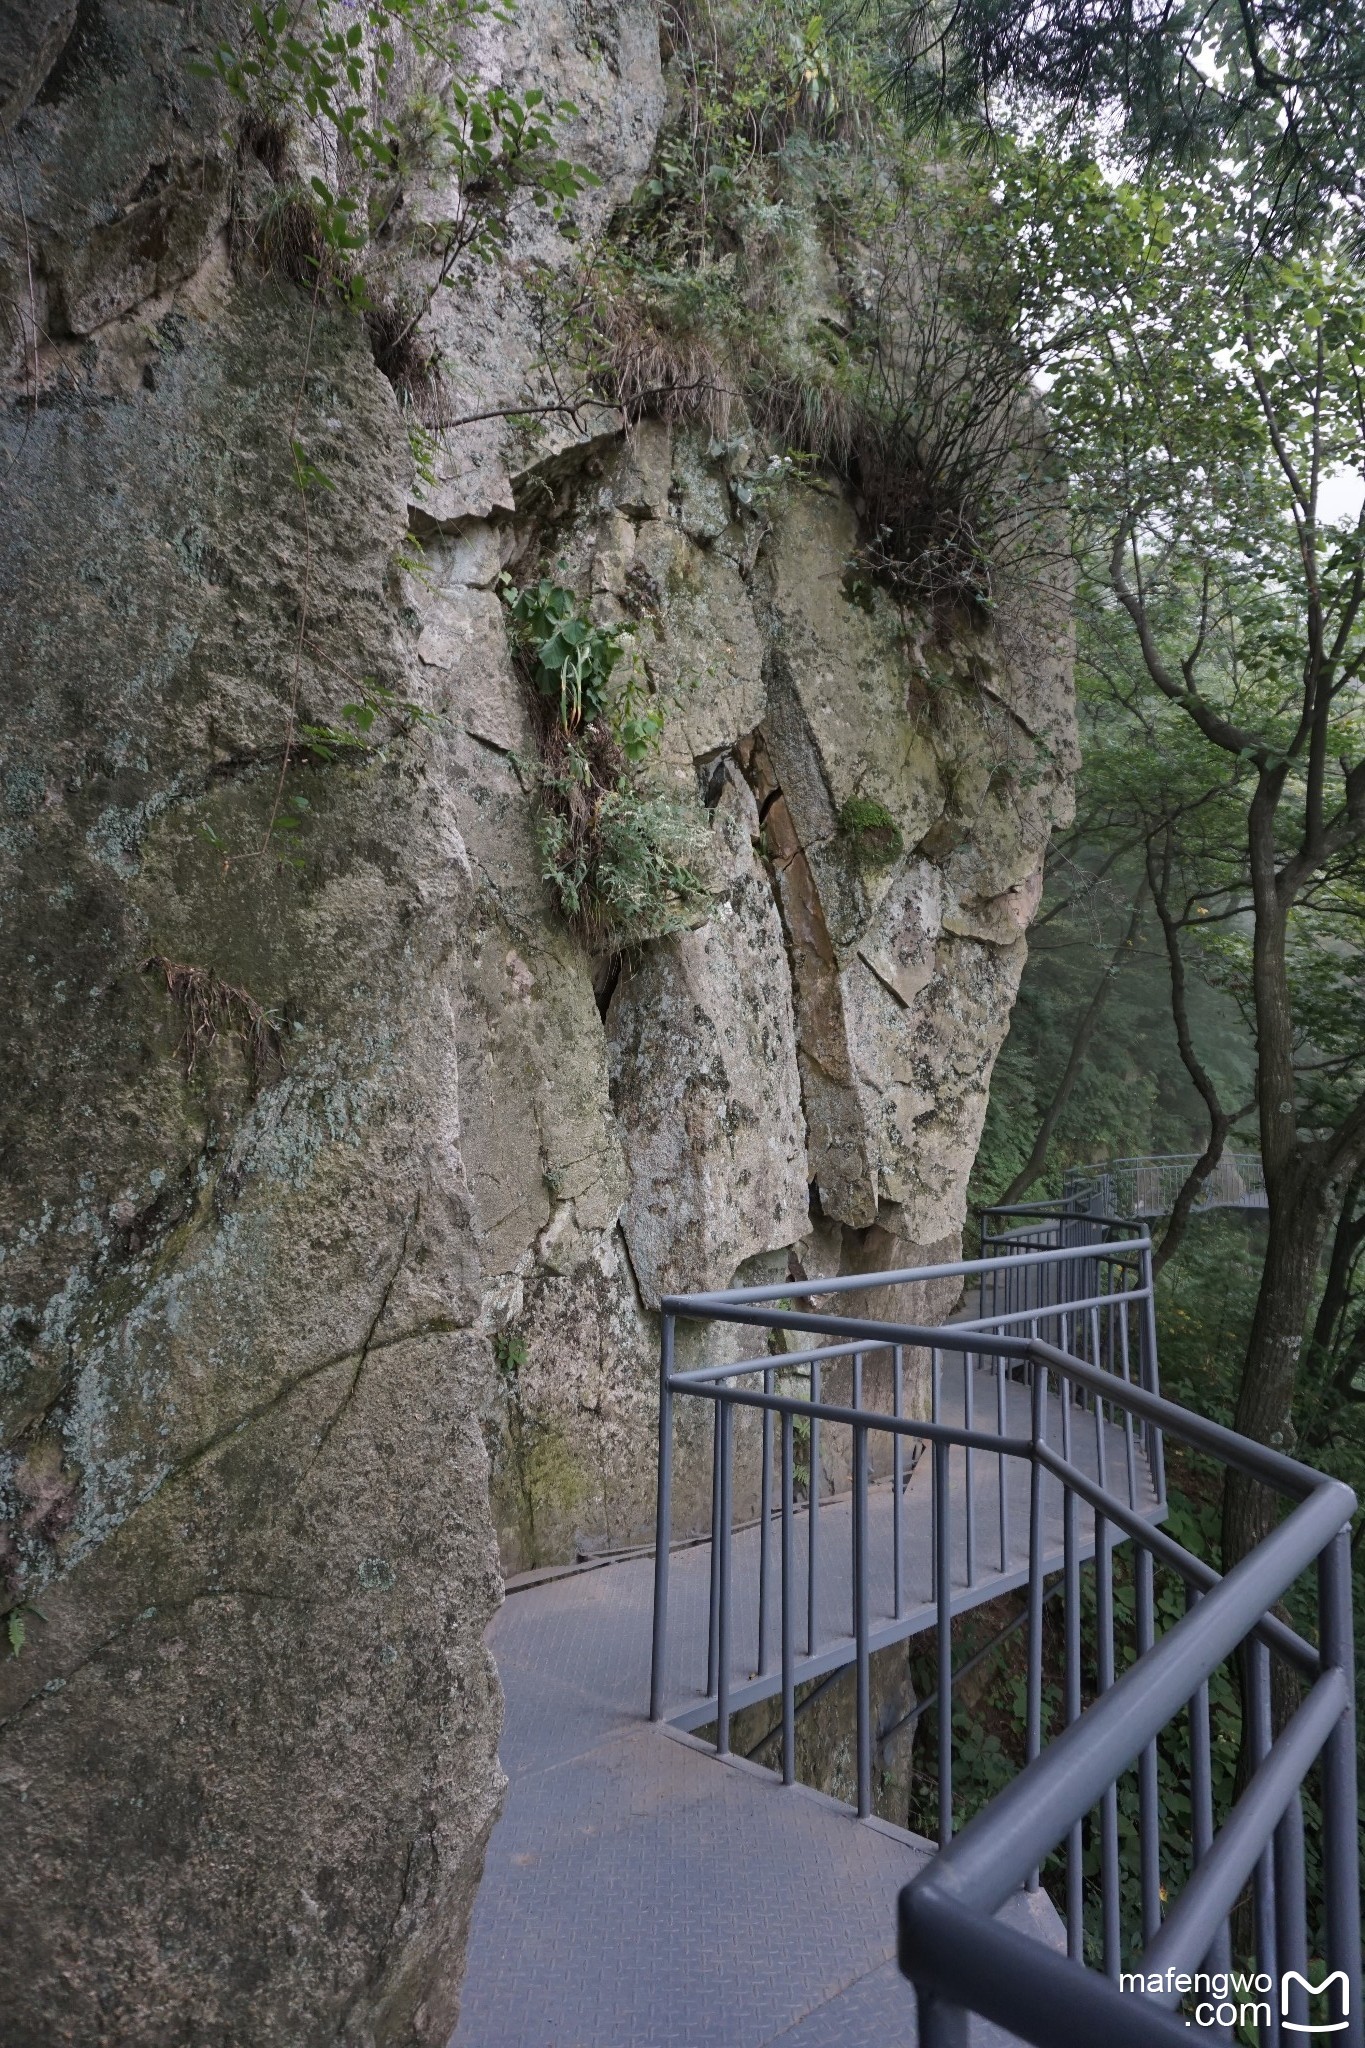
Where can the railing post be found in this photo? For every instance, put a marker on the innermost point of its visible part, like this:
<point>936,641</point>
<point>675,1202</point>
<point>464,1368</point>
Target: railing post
<point>720,1537</point>
<point>1033,1734</point>
<point>1291,1929</point>
<point>943,1615</point>
<point>663,1521</point>
<point>940,2025</point>
<point>813,1518</point>
<point>788,1607</point>
<point>861,1592</point>
<point>1151,1378</point>
<point>765,1516</point>
<point>1149,1847</point>
<point>898,1484</point>
<point>713,1608</point>
<point>1256,1665</point>
<point>1341,1849</point>
<point>1071,1621</point>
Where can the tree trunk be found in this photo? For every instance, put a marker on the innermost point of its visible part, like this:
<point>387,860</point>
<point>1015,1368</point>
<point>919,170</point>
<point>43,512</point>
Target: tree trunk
<point>1299,1219</point>
<point>1336,1293</point>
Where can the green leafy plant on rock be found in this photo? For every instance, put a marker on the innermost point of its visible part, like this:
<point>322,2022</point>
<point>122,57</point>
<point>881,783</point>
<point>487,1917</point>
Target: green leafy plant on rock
<point>622,859</point>
<point>384,89</point>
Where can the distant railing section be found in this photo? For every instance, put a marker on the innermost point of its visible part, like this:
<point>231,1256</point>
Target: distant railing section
<point>831,1582</point>
<point>1149,1187</point>
<point>1043,1427</point>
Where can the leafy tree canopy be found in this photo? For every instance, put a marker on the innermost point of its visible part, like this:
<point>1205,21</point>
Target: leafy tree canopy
<point>1177,84</point>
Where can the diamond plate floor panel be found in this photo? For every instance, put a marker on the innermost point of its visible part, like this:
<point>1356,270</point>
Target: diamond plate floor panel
<point>639,1893</point>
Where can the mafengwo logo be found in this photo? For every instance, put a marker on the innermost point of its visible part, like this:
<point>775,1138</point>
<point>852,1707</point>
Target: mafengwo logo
<point>1342,2003</point>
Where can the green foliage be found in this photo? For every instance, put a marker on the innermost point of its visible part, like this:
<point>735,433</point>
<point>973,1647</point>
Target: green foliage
<point>625,863</point>
<point>623,859</point>
<point>338,66</point>
<point>16,1623</point>
<point>510,1357</point>
<point>1132,1096</point>
<point>587,671</point>
<point>913,392</point>
<point>871,831</point>
<point>329,83</point>
<point>1275,84</point>
<point>355,734</point>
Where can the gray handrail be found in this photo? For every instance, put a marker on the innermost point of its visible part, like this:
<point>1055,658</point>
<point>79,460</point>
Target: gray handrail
<point>996,1851</point>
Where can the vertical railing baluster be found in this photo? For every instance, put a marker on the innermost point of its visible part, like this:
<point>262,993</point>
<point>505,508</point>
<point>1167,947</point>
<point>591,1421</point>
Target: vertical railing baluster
<point>861,1619</point>
<point>1149,1844</point>
<point>724,1418</point>
<point>1341,1847</point>
<point>968,1464</point>
<point>935,1402</point>
<point>1002,1426</point>
<point>1151,1378</point>
<point>1071,1597</point>
<point>1201,1795</point>
<point>1130,1439</point>
<point>765,1518</point>
<point>713,1622</point>
<point>1033,1736</point>
<point>663,1522</point>
<point>897,1484</point>
<point>943,1613</point>
<point>788,1604</point>
<point>1256,1663</point>
<point>813,1520</point>
<point>856,1378</point>
<point>1104,1650</point>
<point>1101,1448</point>
<point>1291,1912</point>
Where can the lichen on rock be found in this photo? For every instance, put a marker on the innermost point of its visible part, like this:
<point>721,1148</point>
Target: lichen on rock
<point>297,1355</point>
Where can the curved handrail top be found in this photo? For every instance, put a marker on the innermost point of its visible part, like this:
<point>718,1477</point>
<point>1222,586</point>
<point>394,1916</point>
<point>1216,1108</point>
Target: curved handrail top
<point>697,1305</point>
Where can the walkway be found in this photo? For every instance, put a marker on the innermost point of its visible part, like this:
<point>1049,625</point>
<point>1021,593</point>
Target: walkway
<point>1148,1187</point>
<point>638,1892</point>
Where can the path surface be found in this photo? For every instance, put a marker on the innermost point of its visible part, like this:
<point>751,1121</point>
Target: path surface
<point>639,1892</point>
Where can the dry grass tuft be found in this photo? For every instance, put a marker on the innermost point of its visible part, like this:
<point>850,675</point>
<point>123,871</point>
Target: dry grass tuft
<point>656,371</point>
<point>409,363</point>
<point>287,240</point>
<point>213,1009</point>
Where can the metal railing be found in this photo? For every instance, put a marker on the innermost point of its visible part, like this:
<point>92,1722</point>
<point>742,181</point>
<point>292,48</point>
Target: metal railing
<point>1034,1459</point>
<point>858,1580</point>
<point>1148,1187</point>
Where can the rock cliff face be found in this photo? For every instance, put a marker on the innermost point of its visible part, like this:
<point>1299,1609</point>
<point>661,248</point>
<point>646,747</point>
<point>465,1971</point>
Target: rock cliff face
<point>342,1181</point>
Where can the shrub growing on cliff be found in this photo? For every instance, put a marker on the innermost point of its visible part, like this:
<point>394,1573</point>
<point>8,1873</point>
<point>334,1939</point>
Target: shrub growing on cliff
<point>912,392</point>
<point>623,860</point>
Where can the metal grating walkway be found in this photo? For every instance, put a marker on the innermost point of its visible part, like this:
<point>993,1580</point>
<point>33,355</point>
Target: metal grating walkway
<point>638,1892</point>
